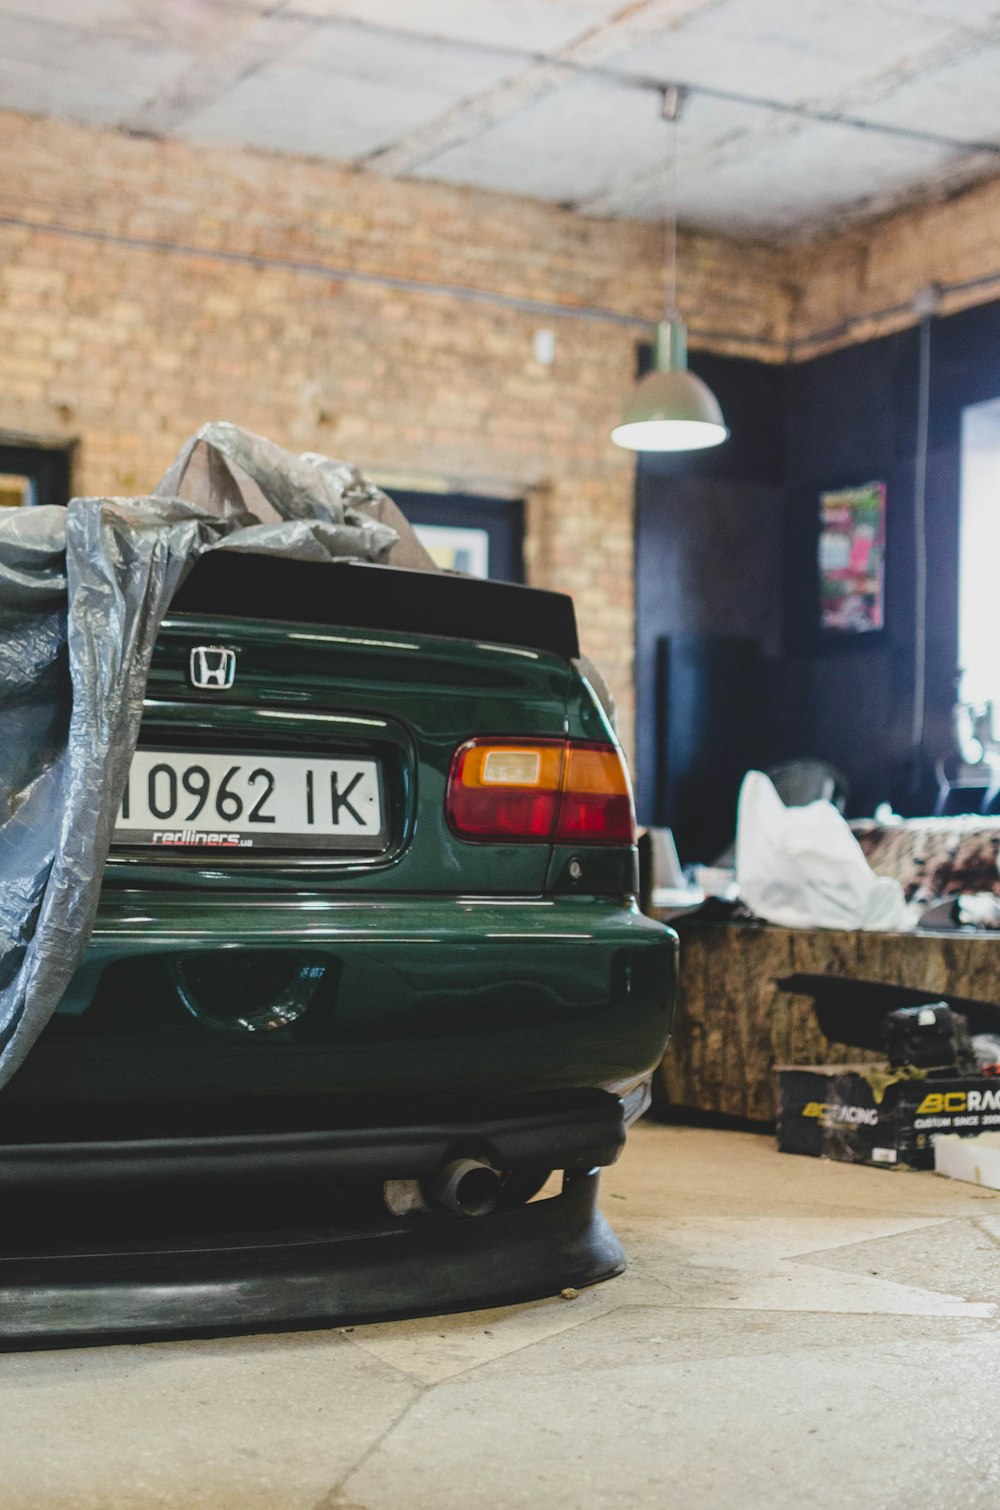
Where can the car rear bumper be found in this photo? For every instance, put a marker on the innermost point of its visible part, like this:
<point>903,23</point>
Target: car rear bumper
<point>164,1172</point>
<point>567,1133</point>
<point>230,1016</point>
<point>147,1238</point>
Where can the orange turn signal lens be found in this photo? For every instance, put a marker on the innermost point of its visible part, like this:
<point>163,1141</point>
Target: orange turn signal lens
<point>549,790</point>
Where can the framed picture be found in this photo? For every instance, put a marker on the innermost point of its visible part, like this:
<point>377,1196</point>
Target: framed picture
<point>456,548</point>
<point>468,532</point>
<point>32,474</point>
<point>16,491</point>
<point>852,560</point>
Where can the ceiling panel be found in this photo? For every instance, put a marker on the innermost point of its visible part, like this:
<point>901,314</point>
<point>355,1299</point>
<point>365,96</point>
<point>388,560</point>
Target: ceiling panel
<point>806,177</point>
<point>969,13</point>
<point>579,142</point>
<point>786,50</point>
<point>75,13</point>
<point>960,99</point>
<point>344,92</point>
<point>530,25</point>
<point>390,60</point>
<point>192,24</point>
<point>94,75</point>
<point>412,80</point>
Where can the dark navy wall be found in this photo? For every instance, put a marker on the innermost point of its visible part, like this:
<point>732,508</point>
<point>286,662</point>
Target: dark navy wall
<point>849,417</point>
<point>709,540</point>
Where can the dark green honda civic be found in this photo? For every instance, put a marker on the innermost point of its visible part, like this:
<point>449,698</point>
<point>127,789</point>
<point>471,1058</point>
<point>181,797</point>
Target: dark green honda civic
<point>368,967</point>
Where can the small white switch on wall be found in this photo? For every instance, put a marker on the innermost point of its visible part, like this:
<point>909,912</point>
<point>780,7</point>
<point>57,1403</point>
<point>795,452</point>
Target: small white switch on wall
<point>545,347</point>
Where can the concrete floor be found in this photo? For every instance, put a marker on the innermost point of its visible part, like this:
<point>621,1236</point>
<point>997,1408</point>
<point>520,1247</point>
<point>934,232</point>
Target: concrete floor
<point>790,1332</point>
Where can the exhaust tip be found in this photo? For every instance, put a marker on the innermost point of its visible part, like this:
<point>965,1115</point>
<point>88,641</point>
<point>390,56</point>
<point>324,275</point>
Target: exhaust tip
<point>467,1186</point>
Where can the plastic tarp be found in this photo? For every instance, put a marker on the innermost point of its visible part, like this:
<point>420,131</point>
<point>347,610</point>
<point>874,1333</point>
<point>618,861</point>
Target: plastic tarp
<point>83,591</point>
<point>802,866</point>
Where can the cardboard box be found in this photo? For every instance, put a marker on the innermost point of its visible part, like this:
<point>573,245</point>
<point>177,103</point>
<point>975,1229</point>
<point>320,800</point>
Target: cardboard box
<point>860,1114</point>
<point>975,1159</point>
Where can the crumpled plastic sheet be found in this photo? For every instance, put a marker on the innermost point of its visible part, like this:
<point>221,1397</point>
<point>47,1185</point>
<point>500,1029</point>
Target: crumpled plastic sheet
<point>83,591</point>
<point>802,867</point>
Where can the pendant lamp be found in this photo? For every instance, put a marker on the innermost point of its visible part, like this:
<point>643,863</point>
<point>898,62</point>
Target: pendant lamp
<point>671,409</point>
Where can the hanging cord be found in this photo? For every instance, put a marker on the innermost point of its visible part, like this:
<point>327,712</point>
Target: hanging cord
<point>924,305</point>
<point>674,98</point>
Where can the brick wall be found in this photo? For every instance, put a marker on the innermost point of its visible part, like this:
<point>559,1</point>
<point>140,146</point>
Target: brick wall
<point>147,286</point>
<point>128,346</point>
<point>860,284</point>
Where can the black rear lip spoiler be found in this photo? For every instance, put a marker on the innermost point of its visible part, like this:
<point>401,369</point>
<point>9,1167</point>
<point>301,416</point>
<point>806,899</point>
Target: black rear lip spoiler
<point>301,1279</point>
<point>360,595</point>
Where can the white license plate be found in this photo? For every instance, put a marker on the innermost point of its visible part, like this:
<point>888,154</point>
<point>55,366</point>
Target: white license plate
<point>179,800</point>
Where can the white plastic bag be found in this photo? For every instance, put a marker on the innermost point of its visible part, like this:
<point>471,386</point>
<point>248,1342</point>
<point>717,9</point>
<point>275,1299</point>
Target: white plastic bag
<point>802,866</point>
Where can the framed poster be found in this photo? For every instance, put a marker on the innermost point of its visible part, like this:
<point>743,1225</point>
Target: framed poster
<point>16,491</point>
<point>852,560</point>
<point>456,547</point>
<point>468,532</point>
<point>32,474</point>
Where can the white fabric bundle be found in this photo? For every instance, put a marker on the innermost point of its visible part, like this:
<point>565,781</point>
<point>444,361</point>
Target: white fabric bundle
<point>802,866</point>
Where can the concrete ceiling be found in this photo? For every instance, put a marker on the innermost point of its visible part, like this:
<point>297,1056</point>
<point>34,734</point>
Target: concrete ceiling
<point>555,99</point>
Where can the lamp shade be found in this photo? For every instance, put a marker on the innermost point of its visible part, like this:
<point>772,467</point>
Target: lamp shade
<point>671,409</point>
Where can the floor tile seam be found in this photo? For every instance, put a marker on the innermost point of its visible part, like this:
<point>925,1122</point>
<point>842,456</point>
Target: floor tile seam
<point>850,1280</point>
<point>970,1325</point>
<point>573,1326</point>
<point>808,1254</point>
<point>731,1309</point>
<point>613,1366</point>
<point>765,1261</point>
<point>986,1232</point>
<point>685,1221</point>
<point>424,1388</point>
<point>328,1500</point>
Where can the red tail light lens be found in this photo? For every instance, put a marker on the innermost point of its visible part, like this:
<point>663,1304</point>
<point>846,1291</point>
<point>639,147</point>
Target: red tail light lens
<point>597,799</point>
<point>505,789</point>
<point>548,790</point>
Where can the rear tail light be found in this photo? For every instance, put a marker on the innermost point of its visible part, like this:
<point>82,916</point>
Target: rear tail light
<point>596,806</point>
<point>558,791</point>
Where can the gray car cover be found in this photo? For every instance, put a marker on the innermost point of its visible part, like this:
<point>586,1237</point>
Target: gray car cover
<point>83,591</point>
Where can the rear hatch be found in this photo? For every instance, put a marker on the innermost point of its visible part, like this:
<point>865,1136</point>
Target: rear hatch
<point>301,721</point>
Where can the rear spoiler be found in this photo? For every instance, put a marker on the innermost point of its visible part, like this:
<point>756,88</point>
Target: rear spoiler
<point>239,584</point>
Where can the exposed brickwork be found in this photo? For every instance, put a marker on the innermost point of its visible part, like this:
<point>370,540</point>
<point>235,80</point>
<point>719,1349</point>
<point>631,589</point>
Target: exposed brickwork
<point>129,349</point>
<point>881,265</point>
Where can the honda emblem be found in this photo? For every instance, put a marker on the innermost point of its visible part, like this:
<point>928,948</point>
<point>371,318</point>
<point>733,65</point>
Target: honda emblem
<point>212,667</point>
